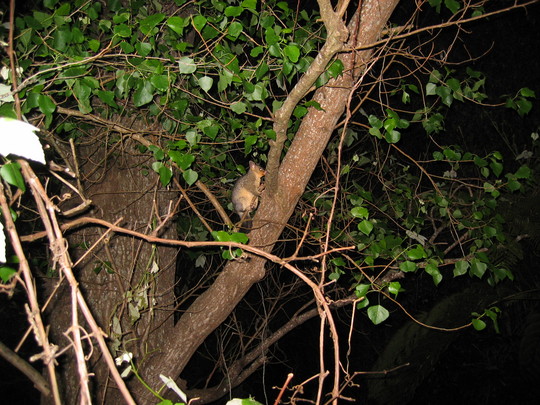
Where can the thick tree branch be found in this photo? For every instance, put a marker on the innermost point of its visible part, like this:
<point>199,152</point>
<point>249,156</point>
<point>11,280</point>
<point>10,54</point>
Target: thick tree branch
<point>212,307</point>
<point>337,35</point>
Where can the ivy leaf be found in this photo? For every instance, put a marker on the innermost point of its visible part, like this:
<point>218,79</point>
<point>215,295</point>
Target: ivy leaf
<point>407,266</point>
<point>434,272</point>
<point>365,227</point>
<point>377,314</point>
<point>205,83</point>
<point>416,253</point>
<point>336,68</point>
<point>360,212</point>
<point>452,5</point>
<point>11,172</point>
<point>183,160</point>
<point>46,104</point>
<point>108,98</point>
<point>221,236</point>
<point>392,136</point>
<point>148,24</point>
<point>233,11</point>
<point>187,65</point>
<point>5,272</point>
<point>461,268</point>
<point>478,268</point>
<point>239,107</point>
<point>235,29</point>
<point>292,52</point>
<point>431,89</point>
<point>143,94</point>
<point>361,290</point>
<point>523,172</point>
<point>176,24</point>
<point>165,174</point>
<point>190,176</point>
<point>478,324</point>
<point>249,142</point>
<point>122,30</point>
<point>199,22</point>
<point>160,82</point>
<point>239,237</point>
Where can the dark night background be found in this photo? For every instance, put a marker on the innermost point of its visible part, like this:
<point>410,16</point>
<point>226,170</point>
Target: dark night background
<point>476,367</point>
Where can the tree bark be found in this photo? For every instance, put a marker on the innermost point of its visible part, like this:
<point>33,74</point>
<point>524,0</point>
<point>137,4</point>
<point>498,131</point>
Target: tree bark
<point>118,190</point>
<point>216,303</point>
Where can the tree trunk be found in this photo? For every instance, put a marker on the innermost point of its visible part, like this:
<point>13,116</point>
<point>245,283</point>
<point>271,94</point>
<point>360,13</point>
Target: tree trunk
<point>118,189</point>
<point>216,303</point>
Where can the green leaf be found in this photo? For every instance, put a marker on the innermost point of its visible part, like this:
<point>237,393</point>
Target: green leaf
<point>336,68</point>
<point>431,89</point>
<point>122,30</point>
<point>61,38</point>
<point>249,142</point>
<point>107,97</point>
<point>221,236</point>
<point>394,288</point>
<point>239,237</point>
<point>143,48</point>
<point>478,268</point>
<point>250,4</point>
<point>434,272</point>
<point>445,94</point>
<point>46,104</point>
<point>192,137</point>
<point>205,83</point>
<point>361,290</point>
<point>11,173</point>
<point>160,82</point>
<point>211,131</point>
<point>271,39</point>
<point>233,11</point>
<point>496,167</point>
<point>176,24</point>
<point>199,22</point>
<point>407,266</point>
<point>292,52</point>
<point>416,253</point>
<point>452,5</point>
<point>190,176</point>
<point>526,92</point>
<point>392,136</point>
<point>377,314</point>
<point>149,23</point>
<point>183,160</point>
<point>144,93</point>
<point>165,174</point>
<point>478,324</point>
<point>360,212</point>
<point>238,107</point>
<point>235,29</point>
<point>6,273</point>
<point>365,227</point>
<point>523,173</point>
<point>187,65</point>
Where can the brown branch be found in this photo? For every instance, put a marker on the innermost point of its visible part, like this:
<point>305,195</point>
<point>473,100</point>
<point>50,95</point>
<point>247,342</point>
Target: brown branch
<point>24,367</point>
<point>237,372</point>
<point>11,54</point>
<point>35,313</point>
<point>337,35</point>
